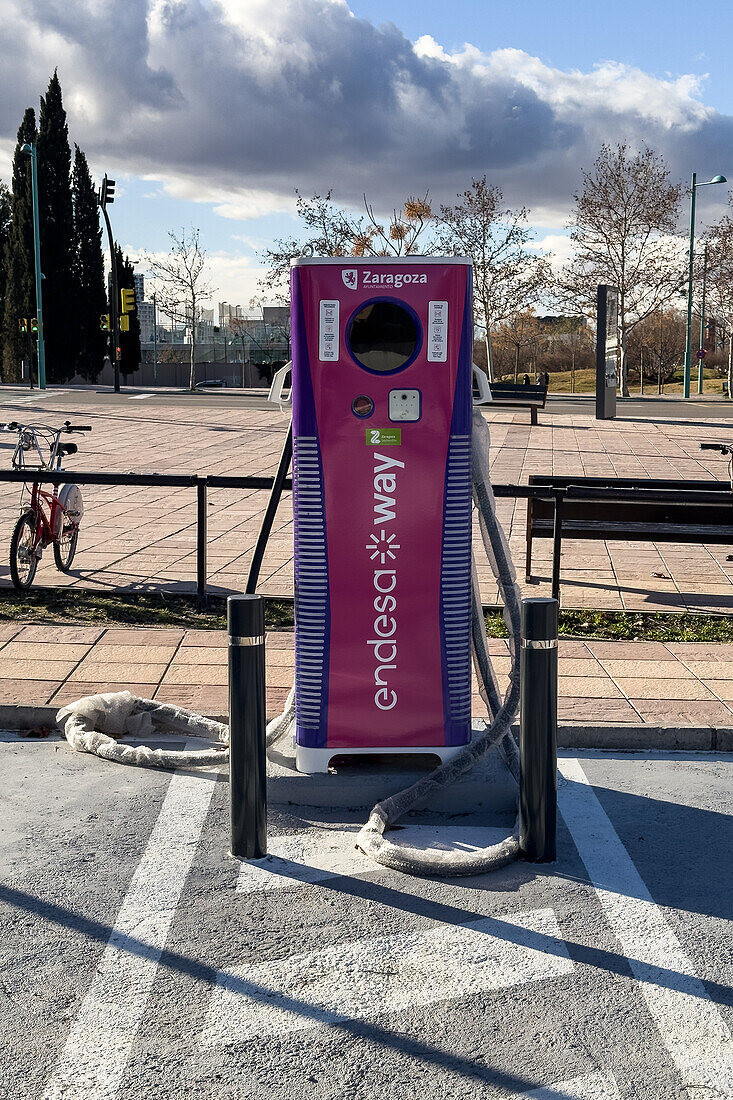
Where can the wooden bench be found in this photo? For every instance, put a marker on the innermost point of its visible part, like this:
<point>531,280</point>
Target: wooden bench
<point>627,509</point>
<point>519,397</point>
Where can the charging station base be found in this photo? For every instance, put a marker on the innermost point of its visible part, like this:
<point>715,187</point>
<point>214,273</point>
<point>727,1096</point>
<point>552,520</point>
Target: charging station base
<point>311,761</point>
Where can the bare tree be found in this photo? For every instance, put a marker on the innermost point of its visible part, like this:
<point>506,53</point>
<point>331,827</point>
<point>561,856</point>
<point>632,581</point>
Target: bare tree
<point>520,333</point>
<point>656,346</point>
<point>508,276</point>
<point>330,230</point>
<point>182,285</point>
<point>623,230</point>
<point>720,282</point>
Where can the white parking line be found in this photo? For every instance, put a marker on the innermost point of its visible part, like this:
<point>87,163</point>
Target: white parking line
<point>29,400</point>
<point>689,1024</point>
<point>591,1086</point>
<point>384,974</point>
<point>101,1037</point>
<point>140,396</point>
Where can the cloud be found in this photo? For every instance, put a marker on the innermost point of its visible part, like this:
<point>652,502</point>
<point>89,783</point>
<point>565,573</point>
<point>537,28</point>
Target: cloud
<point>236,104</point>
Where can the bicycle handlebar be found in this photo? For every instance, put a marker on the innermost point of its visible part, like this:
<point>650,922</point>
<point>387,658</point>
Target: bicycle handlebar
<point>14,426</point>
<point>76,427</point>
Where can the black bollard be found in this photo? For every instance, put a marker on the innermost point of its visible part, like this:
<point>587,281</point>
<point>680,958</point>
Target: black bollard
<point>538,731</point>
<point>247,748</point>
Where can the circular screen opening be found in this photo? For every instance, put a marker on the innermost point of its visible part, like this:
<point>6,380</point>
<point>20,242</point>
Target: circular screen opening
<point>383,336</point>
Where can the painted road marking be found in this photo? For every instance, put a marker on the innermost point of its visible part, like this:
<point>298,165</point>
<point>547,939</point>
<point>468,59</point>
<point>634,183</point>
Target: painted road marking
<point>30,400</point>
<point>101,1037</point>
<point>690,1025</point>
<point>384,974</point>
<point>592,1086</point>
<point>322,854</point>
<point>141,396</point>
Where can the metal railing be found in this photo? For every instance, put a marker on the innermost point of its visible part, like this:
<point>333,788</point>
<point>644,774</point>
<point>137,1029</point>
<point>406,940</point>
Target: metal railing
<point>557,495</point>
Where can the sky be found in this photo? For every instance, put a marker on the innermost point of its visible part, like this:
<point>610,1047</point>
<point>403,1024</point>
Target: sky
<point>209,113</point>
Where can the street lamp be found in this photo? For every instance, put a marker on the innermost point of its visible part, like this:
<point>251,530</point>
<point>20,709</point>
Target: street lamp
<point>688,328</point>
<point>30,151</point>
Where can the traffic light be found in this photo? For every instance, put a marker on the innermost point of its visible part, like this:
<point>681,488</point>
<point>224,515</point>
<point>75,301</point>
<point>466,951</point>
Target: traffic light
<point>127,300</point>
<point>23,325</point>
<point>34,325</point>
<point>104,322</point>
<point>124,323</point>
<point>107,194</point>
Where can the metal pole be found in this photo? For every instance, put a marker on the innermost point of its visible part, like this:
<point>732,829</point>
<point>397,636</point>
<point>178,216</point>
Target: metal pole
<point>114,305</point>
<point>269,516</point>
<point>538,731</point>
<point>155,340</point>
<point>688,326</point>
<point>32,152</point>
<point>201,597</point>
<point>247,745</point>
<point>701,361</point>
<point>557,547</point>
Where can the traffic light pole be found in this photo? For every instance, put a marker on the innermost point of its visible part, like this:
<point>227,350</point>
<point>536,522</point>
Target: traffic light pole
<point>114,307</point>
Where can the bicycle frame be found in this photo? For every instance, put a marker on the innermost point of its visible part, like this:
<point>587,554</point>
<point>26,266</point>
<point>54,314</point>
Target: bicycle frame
<point>45,524</point>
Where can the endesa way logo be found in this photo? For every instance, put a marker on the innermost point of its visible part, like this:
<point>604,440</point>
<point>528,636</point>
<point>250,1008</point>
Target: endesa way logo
<point>382,547</point>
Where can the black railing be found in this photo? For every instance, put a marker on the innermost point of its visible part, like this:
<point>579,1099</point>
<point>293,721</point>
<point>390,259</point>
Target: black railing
<point>557,495</point>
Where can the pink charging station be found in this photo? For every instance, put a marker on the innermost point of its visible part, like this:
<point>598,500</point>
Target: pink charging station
<point>382,354</point>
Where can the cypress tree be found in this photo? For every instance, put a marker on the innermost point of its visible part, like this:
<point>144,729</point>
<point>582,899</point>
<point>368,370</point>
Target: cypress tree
<point>91,298</point>
<point>57,235</point>
<point>129,341</point>
<point>20,284</point>
<point>6,211</point>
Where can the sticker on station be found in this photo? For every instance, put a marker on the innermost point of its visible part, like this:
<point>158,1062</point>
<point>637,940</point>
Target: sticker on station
<point>328,331</point>
<point>437,332</point>
<point>383,437</point>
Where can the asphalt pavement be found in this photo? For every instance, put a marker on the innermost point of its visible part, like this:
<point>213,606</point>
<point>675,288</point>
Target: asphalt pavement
<point>138,960</point>
<point>652,407</point>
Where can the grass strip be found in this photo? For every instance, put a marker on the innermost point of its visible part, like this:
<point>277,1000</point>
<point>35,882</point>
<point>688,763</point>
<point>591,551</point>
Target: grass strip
<point>73,605</point>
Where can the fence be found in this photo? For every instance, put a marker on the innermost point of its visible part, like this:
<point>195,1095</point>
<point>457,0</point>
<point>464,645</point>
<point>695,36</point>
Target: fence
<point>281,482</point>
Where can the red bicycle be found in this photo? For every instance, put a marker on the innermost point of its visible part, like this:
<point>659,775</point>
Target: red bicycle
<point>46,518</point>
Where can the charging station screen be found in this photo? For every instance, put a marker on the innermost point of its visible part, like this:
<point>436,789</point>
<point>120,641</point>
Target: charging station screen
<point>383,336</point>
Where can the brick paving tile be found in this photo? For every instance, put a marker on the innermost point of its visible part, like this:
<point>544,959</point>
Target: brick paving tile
<point>143,635</point>
<point>722,688</point>
<point>202,655</point>
<point>596,711</point>
<point>77,689</point>
<point>281,639</point>
<point>202,675</point>
<point>144,653</point>
<point>573,649</point>
<point>34,670</point>
<point>279,676</point>
<point>9,631</point>
<point>27,692</point>
<point>103,673</point>
<point>592,687</point>
<point>284,658</point>
<point>638,688</point>
<point>579,666</point>
<point>684,712</point>
<point>637,651</point>
<point>701,651</point>
<point>47,651</point>
<point>200,699</point>
<point>721,669</point>
<point>206,637</point>
<point>663,670</point>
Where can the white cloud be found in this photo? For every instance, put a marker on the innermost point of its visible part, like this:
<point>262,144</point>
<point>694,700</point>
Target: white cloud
<point>235,104</point>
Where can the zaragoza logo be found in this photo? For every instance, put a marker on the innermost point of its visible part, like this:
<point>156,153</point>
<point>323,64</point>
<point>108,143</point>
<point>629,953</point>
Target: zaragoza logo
<point>350,278</point>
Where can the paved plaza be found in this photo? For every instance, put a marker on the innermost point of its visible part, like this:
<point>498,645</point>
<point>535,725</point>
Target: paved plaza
<point>145,539</point>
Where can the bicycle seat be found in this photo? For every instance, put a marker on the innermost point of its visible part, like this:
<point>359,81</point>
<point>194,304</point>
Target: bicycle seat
<point>68,448</point>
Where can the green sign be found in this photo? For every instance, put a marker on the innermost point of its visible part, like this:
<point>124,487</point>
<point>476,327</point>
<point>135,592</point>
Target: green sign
<point>383,437</point>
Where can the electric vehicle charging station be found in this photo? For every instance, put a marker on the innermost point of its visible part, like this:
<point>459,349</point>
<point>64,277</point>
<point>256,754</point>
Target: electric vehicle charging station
<point>381,393</point>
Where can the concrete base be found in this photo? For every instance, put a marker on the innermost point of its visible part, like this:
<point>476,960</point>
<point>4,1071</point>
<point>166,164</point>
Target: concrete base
<point>311,760</point>
<point>488,787</point>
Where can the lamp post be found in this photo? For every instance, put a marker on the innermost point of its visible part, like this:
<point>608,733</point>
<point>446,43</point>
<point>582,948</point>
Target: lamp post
<point>30,151</point>
<point>688,328</point>
<point>701,358</point>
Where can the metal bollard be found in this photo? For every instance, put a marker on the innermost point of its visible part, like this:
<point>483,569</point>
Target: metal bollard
<point>538,731</point>
<point>247,748</point>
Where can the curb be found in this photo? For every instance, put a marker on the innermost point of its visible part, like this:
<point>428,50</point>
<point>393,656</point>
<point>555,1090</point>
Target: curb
<point>15,716</point>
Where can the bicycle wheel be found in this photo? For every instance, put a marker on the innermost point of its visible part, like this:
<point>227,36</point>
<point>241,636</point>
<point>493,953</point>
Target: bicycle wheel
<point>64,547</point>
<point>23,559</point>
